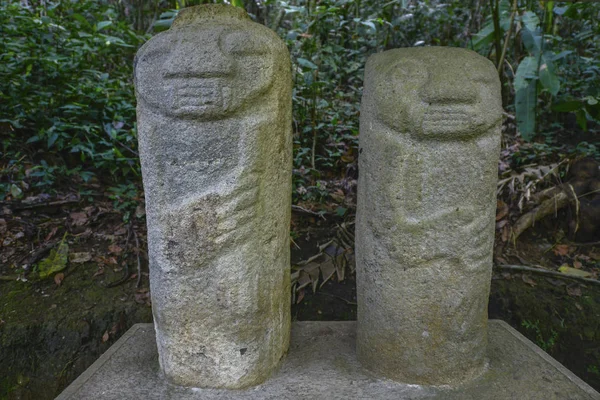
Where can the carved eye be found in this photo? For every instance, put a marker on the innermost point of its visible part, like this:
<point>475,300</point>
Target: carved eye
<point>242,44</point>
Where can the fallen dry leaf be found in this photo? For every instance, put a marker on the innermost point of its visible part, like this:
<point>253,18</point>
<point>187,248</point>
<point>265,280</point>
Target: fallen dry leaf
<point>121,231</point>
<point>79,218</point>
<point>577,264</point>
<point>79,258</point>
<point>58,278</point>
<point>574,290</point>
<point>505,233</point>
<point>528,280</point>
<point>105,337</point>
<point>501,210</point>
<point>51,234</point>
<point>140,211</point>
<point>561,249</point>
<point>113,248</point>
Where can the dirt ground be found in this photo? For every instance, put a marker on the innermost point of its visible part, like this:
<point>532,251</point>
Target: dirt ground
<point>53,328</point>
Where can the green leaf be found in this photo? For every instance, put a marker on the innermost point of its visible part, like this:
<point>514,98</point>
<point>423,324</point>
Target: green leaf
<point>561,55</point>
<point>532,40</point>
<point>525,107</point>
<point>530,20</point>
<point>52,139</point>
<point>484,37</point>
<point>574,272</point>
<point>305,63</point>
<point>370,24</point>
<point>56,261</point>
<point>548,77</point>
<point>567,106</point>
<point>527,69</point>
<point>237,3</point>
<point>81,19</point>
<point>15,191</point>
<point>581,119</point>
<point>103,24</point>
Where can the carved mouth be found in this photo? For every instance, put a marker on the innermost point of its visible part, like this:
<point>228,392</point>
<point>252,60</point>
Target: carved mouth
<point>444,120</point>
<point>200,96</point>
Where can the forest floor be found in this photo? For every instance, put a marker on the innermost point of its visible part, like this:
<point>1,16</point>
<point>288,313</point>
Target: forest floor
<point>95,287</point>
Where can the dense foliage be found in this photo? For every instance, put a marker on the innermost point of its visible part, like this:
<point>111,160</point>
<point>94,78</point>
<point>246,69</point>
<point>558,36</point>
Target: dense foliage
<point>67,109</point>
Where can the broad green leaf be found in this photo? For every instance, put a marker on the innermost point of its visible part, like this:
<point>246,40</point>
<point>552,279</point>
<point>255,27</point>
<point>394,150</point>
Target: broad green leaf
<point>103,24</point>
<point>505,10</point>
<point>56,261</point>
<point>527,70</point>
<point>370,24</point>
<point>561,55</point>
<point>52,139</point>
<point>525,107</point>
<point>164,23</point>
<point>237,3</point>
<point>592,101</point>
<point>532,40</point>
<point>567,106</point>
<point>548,77</point>
<point>81,19</point>
<point>530,20</point>
<point>305,63</point>
<point>484,37</point>
<point>560,10</point>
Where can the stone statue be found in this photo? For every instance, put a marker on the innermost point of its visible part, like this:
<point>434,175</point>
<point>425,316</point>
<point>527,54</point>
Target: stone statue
<point>214,123</point>
<point>429,148</point>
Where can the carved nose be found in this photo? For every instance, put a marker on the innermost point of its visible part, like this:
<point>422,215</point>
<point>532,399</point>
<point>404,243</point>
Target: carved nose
<point>449,91</point>
<point>198,60</point>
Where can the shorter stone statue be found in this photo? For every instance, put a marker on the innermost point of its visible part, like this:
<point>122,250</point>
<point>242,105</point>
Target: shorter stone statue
<point>429,148</point>
<point>214,123</point>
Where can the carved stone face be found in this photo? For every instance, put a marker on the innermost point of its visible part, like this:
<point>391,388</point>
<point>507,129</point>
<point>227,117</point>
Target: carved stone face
<point>446,94</point>
<point>206,70</point>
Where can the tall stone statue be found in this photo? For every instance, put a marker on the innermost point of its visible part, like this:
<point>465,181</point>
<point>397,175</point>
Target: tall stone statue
<point>429,148</point>
<point>214,126</point>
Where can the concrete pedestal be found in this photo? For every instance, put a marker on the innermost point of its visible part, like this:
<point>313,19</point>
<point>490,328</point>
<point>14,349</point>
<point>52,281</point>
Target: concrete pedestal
<point>322,364</point>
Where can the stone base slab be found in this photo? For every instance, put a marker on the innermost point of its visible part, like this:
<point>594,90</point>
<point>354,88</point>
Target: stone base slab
<point>322,364</point>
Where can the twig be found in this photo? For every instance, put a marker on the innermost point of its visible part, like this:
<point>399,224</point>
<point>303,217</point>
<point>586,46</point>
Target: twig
<point>510,28</point>
<point>509,116</point>
<point>139,264</point>
<point>34,256</point>
<point>547,272</point>
<point>304,210</point>
<point>295,244</point>
<point>21,206</point>
<point>548,207</point>
<point>123,145</point>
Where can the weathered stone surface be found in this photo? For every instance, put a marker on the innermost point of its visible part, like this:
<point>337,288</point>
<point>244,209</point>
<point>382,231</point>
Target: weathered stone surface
<point>429,147</point>
<point>214,123</point>
<point>322,364</point>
